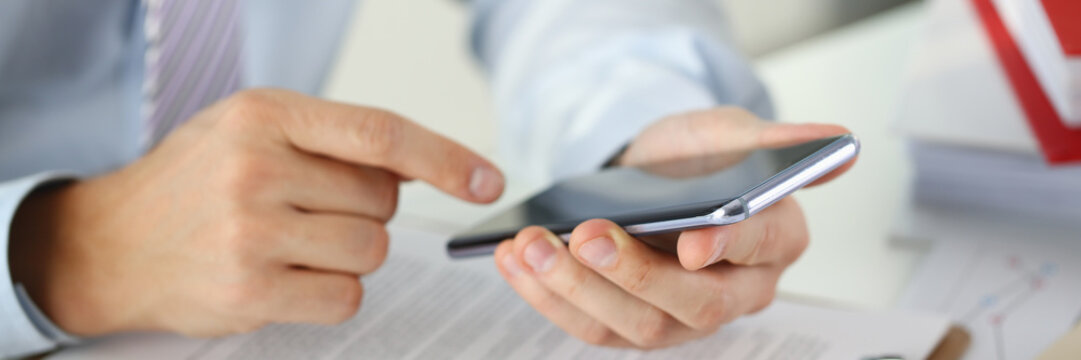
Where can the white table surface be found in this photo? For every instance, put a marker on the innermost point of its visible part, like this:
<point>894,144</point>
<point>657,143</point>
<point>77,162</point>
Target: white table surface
<point>851,76</point>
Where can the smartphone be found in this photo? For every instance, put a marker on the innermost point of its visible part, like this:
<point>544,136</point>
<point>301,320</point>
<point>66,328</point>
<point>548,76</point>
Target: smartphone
<point>671,196</point>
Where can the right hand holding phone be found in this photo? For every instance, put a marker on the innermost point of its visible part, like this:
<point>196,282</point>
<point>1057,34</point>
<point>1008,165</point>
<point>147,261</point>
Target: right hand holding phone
<point>610,289</point>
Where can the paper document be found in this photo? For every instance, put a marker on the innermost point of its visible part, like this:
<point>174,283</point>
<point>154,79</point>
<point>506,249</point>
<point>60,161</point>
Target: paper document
<point>1015,298</point>
<point>426,307</point>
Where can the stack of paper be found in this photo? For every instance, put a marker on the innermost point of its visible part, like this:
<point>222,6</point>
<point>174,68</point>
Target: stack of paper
<point>997,182</point>
<point>972,145</point>
<point>1049,35</point>
<point>422,306</point>
<point>1001,183</point>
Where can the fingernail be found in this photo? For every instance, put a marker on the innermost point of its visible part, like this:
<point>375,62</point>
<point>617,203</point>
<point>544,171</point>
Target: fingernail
<point>718,250</point>
<point>485,183</point>
<point>511,265</point>
<point>540,255</point>
<point>599,252</point>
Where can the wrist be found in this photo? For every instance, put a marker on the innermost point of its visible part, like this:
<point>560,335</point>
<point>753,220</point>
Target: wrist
<point>42,259</point>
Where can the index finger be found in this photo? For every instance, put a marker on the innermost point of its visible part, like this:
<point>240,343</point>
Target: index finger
<point>376,137</point>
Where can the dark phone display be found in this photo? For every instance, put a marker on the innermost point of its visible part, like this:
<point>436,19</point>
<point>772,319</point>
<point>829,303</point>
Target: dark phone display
<point>633,195</point>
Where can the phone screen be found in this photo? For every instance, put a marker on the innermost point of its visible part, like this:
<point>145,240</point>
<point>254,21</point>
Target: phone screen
<point>655,192</point>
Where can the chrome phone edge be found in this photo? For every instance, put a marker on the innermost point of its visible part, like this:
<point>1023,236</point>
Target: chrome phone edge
<point>471,251</point>
<point>765,194</point>
<point>823,161</point>
<point>729,213</point>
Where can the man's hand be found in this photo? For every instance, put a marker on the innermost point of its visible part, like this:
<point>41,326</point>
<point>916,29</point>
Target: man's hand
<point>264,208</point>
<point>609,288</point>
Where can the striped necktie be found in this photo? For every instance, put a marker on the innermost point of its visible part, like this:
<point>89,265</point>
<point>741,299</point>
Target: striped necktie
<point>193,58</point>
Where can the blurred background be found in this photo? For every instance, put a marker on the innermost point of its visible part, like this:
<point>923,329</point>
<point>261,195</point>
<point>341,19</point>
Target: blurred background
<point>412,56</point>
<point>765,25</point>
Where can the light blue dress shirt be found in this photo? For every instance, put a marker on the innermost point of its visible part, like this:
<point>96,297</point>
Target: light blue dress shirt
<point>574,81</point>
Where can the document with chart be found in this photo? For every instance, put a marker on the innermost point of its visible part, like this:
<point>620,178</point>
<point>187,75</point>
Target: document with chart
<point>1014,297</point>
<point>422,306</point>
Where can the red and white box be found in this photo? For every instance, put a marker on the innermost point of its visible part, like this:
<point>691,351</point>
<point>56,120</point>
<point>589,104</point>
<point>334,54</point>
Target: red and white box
<point>971,82</point>
<point>1048,32</point>
<point>983,133</point>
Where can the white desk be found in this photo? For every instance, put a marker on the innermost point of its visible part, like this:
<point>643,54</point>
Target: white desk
<point>851,76</point>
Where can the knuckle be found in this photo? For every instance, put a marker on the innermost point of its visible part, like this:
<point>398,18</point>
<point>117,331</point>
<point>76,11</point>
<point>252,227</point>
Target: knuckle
<point>799,245</point>
<point>779,242</point>
<point>764,243</point>
<point>390,201</point>
<point>248,107</point>
<point>387,191</point>
<point>378,133</point>
<point>763,301</point>
<point>597,334</point>
<point>246,175</point>
<point>240,244</point>
<point>796,238</point>
<point>732,237</point>
<point>376,251</point>
<point>579,281</point>
<point>652,329</point>
<point>711,314</point>
<point>241,296</point>
<point>249,98</point>
<point>546,303</point>
<point>351,297</point>
<point>640,279</point>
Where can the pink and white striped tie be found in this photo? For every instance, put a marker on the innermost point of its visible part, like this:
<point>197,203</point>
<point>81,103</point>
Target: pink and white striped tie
<point>193,58</point>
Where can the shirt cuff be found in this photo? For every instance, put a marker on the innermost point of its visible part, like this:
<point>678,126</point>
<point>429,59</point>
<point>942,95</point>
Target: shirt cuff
<point>24,330</point>
<point>42,322</point>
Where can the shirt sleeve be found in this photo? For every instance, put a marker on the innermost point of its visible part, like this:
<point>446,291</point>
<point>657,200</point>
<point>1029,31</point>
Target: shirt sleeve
<point>575,80</point>
<point>24,330</point>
